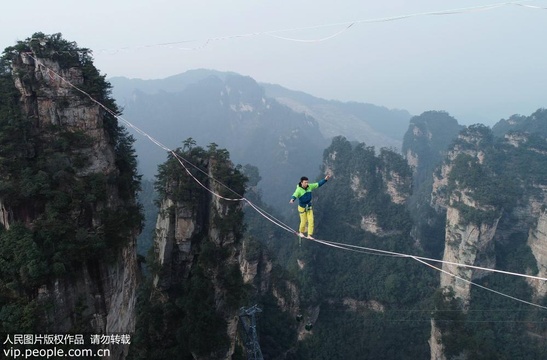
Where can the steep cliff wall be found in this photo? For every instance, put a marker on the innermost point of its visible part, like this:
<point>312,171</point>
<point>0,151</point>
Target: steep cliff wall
<point>198,254</point>
<point>436,343</point>
<point>470,244</point>
<point>426,141</point>
<point>492,193</point>
<point>370,179</point>
<point>73,153</point>
<point>537,241</point>
<point>467,241</point>
<point>425,144</point>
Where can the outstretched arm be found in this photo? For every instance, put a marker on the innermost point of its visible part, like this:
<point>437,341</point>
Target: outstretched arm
<point>321,182</point>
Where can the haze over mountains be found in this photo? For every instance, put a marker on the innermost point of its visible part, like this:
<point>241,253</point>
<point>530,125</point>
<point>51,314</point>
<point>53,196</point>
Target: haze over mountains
<point>282,132</point>
<point>370,123</point>
<point>474,196</point>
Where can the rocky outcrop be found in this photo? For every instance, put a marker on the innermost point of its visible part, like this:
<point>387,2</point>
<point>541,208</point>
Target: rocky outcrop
<point>358,190</point>
<point>102,295</point>
<point>425,145</point>
<point>174,230</point>
<point>53,100</point>
<point>426,141</point>
<point>436,343</point>
<point>99,295</point>
<point>287,296</point>
<point>4,216</point>
<point>537,241</point>
<point>256,270</point>
<point>198,232</point>
<point>361,306</point>
<point>398,187</point>
<point>368,177</point>
<point>470,244</point>
<point>475,226</point>
<point>370,223</point>
<point>249,269</point>
<point>466,242</point>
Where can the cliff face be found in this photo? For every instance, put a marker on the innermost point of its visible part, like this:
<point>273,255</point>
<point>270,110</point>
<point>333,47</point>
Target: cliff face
<point>492,194</point>
<point>537,240</point>
<point>427,140</point>
<point>66,143</point>
<point>425,144</point>
<point>178,254</point>
<point>198,253</point>
<point>469,244</point>
<point>107,291</point>
<point>374,187</point>
<point>234,112</point>
<point>465,242</point>
<point>370,178</point>
<point>475,224</point>
<point>436,343</point>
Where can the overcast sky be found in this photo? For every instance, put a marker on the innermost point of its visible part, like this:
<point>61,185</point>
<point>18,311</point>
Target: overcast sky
<point>479,65</point>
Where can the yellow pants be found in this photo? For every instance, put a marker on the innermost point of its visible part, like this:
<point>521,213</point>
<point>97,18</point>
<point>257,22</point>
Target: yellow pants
<point>306,218</point>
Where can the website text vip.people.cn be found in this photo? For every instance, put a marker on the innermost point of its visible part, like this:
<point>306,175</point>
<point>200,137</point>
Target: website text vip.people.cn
<point>53,346</point>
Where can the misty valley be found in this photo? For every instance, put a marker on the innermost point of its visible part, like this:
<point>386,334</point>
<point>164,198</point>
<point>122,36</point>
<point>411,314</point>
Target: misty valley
<point>160,209</point>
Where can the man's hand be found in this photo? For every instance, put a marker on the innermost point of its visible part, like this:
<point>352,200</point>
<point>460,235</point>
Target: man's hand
<point>327,177</point>
<point>291,201</point>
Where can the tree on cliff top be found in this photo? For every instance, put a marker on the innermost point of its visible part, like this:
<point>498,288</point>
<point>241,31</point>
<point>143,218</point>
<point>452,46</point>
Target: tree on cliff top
<point>57,217</point>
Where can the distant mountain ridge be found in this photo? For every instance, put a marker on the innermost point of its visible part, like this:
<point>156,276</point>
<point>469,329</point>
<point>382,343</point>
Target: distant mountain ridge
<point>475,196</point>
<point>282,132</point>
<point>375,125</point>
<point>229,111</point>
<point>535,123</point>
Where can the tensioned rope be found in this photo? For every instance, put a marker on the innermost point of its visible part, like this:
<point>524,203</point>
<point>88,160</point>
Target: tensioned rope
<point>390,18</point>
<point>347,25</point>
<point>270,217</point>
<point>334,244</point>
<point>482,287</point>
<point>179,158</point>
<point>419,259</point>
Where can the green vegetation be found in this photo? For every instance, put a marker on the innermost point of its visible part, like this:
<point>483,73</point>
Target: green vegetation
<point>428,139</point>
<point>187,315</point>
<point>436,130</point>
<point>499,180</point>
<point>405,290</point>
<point>60,214</point>
<point>391,319</point>
<point>62,217</point>
<point>533,124</point>
<point>498,176</point>
<point>494,327</point>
